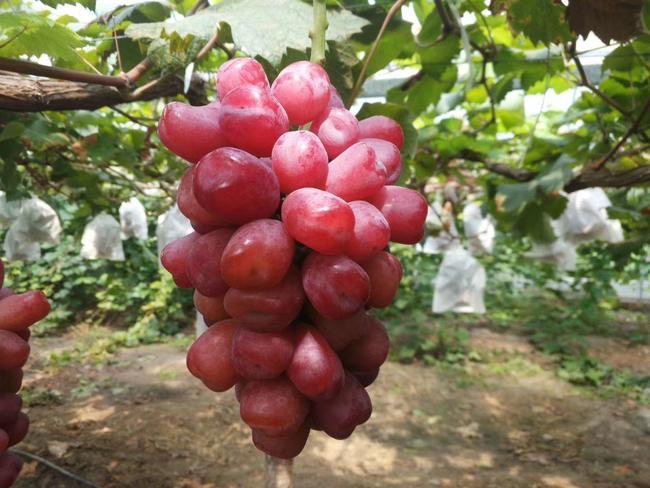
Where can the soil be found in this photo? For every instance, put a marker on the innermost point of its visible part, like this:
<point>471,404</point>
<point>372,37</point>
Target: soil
<point>142,421</point>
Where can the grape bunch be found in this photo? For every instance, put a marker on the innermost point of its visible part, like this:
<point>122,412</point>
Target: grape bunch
<point>17,313</point>
<point>290,247</point>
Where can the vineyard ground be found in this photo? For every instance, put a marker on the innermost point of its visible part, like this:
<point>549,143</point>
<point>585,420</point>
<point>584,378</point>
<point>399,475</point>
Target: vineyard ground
<point>142,421</point>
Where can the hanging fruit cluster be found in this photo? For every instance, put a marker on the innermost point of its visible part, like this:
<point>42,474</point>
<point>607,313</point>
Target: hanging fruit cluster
<point>290,247</point>
<point>17,313</point>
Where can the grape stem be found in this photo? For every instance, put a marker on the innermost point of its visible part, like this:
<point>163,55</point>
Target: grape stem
<point>317,33</point>
<point>279,473</point>
<point>373,49</point>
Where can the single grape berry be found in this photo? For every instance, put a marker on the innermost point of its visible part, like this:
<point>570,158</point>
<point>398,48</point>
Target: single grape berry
<point>405,210</point>
<point>238,72</point>
<point>382,127</point>
<point>236,186</point>
<point>318,219</point>
<point>299,160</point>
<point>371,232</point>
<point>252,119</point>
<point>387,154</point>
<point>191,132</point>
<point>355,174</point>
<point>303,89</point>
<point>337,129</point>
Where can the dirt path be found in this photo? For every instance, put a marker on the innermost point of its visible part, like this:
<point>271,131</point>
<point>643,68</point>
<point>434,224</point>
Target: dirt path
<point>142,421</point>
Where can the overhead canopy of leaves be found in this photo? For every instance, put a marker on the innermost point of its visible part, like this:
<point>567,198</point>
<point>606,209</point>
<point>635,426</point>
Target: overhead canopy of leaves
<point>259,28</point>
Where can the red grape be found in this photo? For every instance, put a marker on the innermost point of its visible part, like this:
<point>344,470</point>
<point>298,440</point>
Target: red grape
<point>2,273</point>
<point>340,333</point>
<point>385,273</point>
<point>315,368</point>
<point>6,292</point>
<point>339,416</point>
<point>370,351</point>
<point>268,310</point>
<point>211,308</point>
<point>16,429</point>
<point>10,379</point>
<point>209,358</point>
<point>274,407</point>
<point>366,378</point>
<point>381,127</point>
<point>299,160</point>
<point>405,210</point>
<point>204,262</point>
<point>387,154</point>
<point>257,256</point>
<point>191,208</point>
<point>318,219</point>
<point>14,351</point>
<point>335,100</point>
<point>174,259</point>
<point>355,174</point>
<point>303,89</point>
<point>191,132</point>
<point>17,312</point>
<point>10,405</point>
<point>238,72</point>
<point>335,285</point>
<point>10,467</point>
<point>236,185</point>
<point>337,129</point>
<point>285,446</point>
<point>371,232</point>
<point>252,119</point>
<point>4,443</point>
<point>262,355</point>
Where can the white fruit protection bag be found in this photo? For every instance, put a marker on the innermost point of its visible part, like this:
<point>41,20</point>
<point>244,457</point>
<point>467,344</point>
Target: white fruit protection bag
<point>102,239</point>
<point>172,225</point>
<point>460,284</point>
<point>32,223</point>
<point>585,218</point>
<point>133,220</point>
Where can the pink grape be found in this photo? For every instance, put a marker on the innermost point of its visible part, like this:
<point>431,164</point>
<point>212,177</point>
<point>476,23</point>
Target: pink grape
<point>211,308</point>
<point>191,208</point>
<point>252,119</point>
<point>387,154</point>
<point>337,129</point>
<point>318,219</point>
<point>262,355</point>
<point>340,333</point>
<point>174,259</point>
<point>303,89</point>
<point>236,186</point>
<point>382,127</point>
<point>335,285</point>
<point>18,312</point>
<point>369,351</point>
<point>371,232</point>
<point>335,100</point>
<point>191,132</point>
<point>339,416</point>
<point>257,256</point>
<point>385,273</point>
<point>209,358</point>
<point>315,369</point>
<point>355,174</point>
<point>285,446</point>
<point>239,72</point>
<point>204,262</point>
<point>268,310</point>
<point>299,160</point>
<point>274,407</point>
<point>405,210</point>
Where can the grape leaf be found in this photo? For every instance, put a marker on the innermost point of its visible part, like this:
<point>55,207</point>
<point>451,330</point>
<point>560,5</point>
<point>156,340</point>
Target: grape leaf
<point>34,35</point>
<point>541,20</point>
<point>286,23</point>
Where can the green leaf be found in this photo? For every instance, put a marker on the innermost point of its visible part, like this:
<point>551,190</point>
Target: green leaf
<point>34,35</point>
<point>390,46</point>
<point>259,27</point>
<point>398,113</point>
<point>540,20</point>
<point>555,177</point>
<point>11,131</point>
